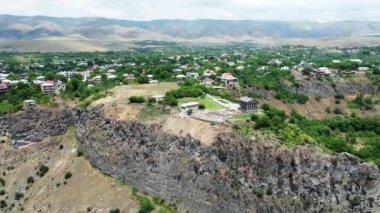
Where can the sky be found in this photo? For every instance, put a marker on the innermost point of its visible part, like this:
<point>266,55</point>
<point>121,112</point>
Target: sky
<point>287,10</point>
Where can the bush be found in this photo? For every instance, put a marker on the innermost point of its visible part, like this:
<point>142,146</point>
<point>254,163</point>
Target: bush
<point>318,98</point>
<point>328,110</point>
<point>255,117</point>
<point>339,96</point>
<point>115,211</point>
<point>269,191</point>
<point>18,195</point>
<point>2,182</point>
<point>42,170</point>
<point>338,111</point>
<point>190,112</point>
<point>3,204</point>
<point>146,205</point>
<point>201,106</point>
<point>68,175</point>
<point>30,180</point>
<point>2,192</point>
<point>356,200</point>
<point>137,99</point>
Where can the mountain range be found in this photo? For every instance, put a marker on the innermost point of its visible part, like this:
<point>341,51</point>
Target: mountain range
<point>41,33</point>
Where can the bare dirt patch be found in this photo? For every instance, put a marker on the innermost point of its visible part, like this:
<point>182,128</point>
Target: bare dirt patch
<point>184,126</point>
<point>86,189</point>
<point>116,104</point>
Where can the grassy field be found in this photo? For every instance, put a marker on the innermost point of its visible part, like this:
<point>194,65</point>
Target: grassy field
<point>208,102</point>
<point>246,116</point>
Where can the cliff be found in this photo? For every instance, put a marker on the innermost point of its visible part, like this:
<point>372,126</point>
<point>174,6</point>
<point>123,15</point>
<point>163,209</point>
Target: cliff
<point>234,174</point>
<point>325,89</point>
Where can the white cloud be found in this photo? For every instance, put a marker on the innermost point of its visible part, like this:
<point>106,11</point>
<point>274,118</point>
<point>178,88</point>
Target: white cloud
<point>315,10</point>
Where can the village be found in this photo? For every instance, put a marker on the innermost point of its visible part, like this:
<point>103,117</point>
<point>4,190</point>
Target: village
<point>227,73</point>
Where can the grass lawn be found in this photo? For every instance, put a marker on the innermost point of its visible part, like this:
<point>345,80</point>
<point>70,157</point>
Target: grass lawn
<point>208,102</point>
<point>245,116</point>
<point>211,104</point>
<point>242,117</point>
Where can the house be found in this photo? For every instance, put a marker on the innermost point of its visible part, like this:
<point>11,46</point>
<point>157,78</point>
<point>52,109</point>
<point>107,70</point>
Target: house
<point>98,79</point>
<point>228,79</point>
<point>362,70</point>
<point>189,105</point>
<point>180,76</point>
<point>208,73</point>
<point>48,87</point>
<point>359,61</point>
<point>207,81</point>
<point>40,78</point>
<point>28,104</point>
<point>3,88</point>
<point>192,75</point>
<point>153,81</point>
<point>158,98</point>
<point>111,77</point>
<point>248,105</point>
<point>240,68</point>
<point>285,68</point>
<point>323,71</point>
<point>129,76</point>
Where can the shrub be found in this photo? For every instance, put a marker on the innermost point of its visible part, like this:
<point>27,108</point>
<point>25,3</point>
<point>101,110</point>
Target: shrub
<point>356,200</point>
<point>2,192</point>
<point>189,112</point>
<point>339,96</point>
<point>137,99</point>
<point>3,204</point>
<point>269,190</point>
<point>30,180</point>
<point>18,195</point>
<point>318,98</point>
<point>338,111</point>
<point>2,182</point>
<point>42,170</point>
<point>68,175</point>
<point>201,106</point>
<point>328,110</point>
<point>255,117</point>
<point>115,211</point>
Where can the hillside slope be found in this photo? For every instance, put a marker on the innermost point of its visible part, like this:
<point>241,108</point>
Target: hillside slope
<point>96,33</point>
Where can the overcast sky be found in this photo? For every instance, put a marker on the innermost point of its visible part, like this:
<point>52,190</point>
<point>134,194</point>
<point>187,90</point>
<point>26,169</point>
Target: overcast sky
<point>314,10</point>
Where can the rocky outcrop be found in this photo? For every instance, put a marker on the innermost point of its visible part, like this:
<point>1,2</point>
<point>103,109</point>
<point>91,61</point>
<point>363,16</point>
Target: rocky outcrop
<point>325,89</point>
<point>233,175</point>
<point>35,125</point>
<point>355,88</point>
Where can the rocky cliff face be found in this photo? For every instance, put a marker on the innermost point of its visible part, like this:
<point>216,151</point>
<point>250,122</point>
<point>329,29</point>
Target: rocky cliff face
<point>324,89</point>
<point>33,126</point>
<point>235,174</point>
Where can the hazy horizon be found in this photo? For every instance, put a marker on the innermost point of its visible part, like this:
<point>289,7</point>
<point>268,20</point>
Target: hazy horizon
<point>261,10</point>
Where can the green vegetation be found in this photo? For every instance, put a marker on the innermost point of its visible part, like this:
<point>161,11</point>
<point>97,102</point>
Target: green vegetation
<point>12,100</point>
<point>361,102</point>
<point>68,175</point>
<point>137,99</point>
<point>18,195</point>
<point>146,204</point>
<point>42,170</point>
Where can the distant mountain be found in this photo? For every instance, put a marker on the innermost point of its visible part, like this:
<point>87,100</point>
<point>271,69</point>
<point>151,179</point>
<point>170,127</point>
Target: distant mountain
<point>102,30</point>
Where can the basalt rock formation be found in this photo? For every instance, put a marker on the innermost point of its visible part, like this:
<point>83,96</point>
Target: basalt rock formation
<point>235,174</point>
<point>325,89</point>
